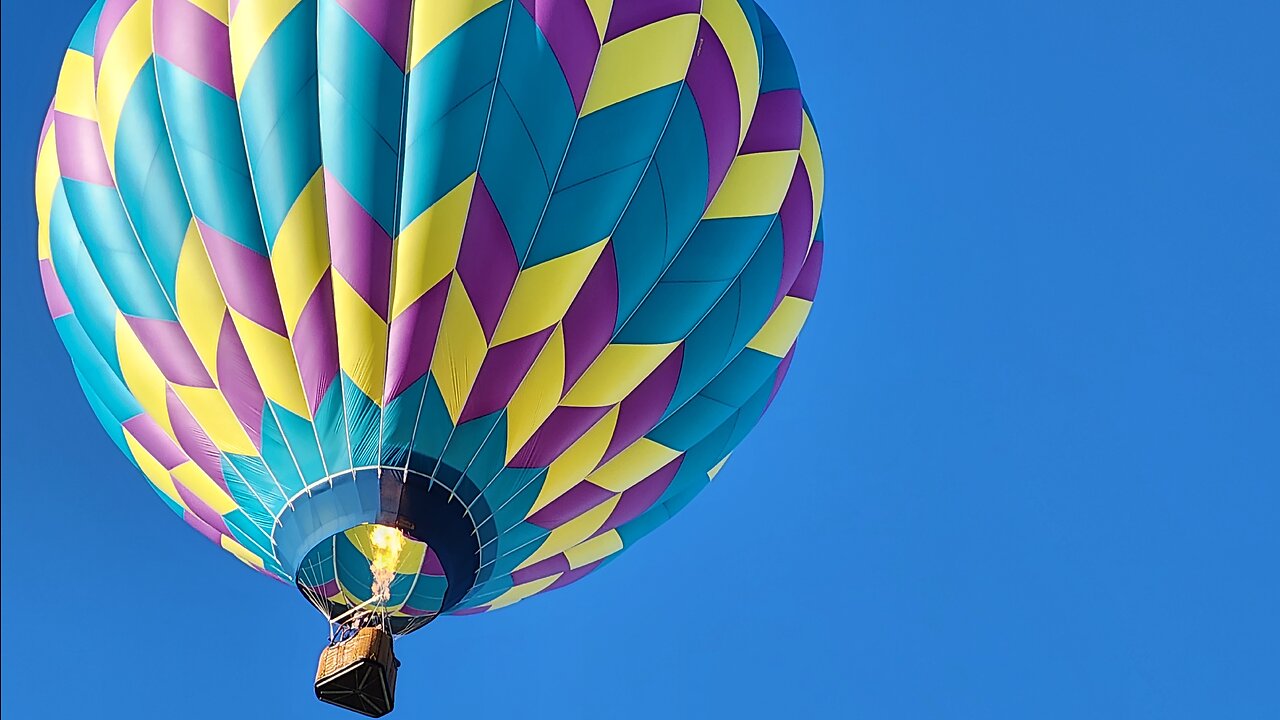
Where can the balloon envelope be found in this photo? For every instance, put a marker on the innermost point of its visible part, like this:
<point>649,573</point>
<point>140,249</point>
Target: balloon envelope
<point>513,276</point>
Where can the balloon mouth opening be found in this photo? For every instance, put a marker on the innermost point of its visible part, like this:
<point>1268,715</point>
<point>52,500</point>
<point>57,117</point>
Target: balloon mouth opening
<point>372,573</point>
<point>389,538</point>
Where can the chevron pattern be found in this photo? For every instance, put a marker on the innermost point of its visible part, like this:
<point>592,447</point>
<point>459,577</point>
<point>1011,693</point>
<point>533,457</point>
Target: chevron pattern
<point>562,247</point>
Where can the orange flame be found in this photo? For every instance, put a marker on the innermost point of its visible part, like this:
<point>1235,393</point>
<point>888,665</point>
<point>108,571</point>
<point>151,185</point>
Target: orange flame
<point>388,543</point>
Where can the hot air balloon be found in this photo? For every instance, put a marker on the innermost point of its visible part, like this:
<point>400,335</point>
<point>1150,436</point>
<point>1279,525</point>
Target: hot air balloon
<point>427,307</point>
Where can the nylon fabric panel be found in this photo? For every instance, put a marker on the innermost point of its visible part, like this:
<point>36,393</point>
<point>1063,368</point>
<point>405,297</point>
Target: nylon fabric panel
<point>549,258</point>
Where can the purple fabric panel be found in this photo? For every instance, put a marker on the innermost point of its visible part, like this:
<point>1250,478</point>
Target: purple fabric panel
<point>168,345</point>
<point>195,41</point>
<point>113,12</point>
<point>210,533</point>
<point>500,374</point>
<point>54,296</point>
<point>231,8</point>
<point>152,437</point>
<point>641,496</point>
<point>542,568</point>
<point>44,128</point>
<point>80,153</point>
<point>714,89</point>
<point>579,499</point>
<point>315,343</point>
<point>193,440</point>
<point>796,218</point>
<point>328,589</point>
<point>361,248</point>
<point>588,325</point>
<point>200,507</point>
<point>470,611</point>
<point>573,576</point>
<point>806,284</point>
<point>487,262</point>
<point>411,340</point>
<point>408,610</point>
<point>238,383</point>
<point>386,21</point>
<point>561,429</point>
<point>781,374</point>
<point>431,564</point>
<point>627,15</point>
<point>245,278</point>
<point>776,124</point>
<point>642,408</point>
<point>571,32</point>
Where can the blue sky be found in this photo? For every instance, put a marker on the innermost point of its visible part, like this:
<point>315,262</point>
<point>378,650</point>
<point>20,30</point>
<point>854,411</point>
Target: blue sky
<point>1038,406</point>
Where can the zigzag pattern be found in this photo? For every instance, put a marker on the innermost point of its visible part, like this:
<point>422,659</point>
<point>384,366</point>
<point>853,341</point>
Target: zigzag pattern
<point>563,247</point>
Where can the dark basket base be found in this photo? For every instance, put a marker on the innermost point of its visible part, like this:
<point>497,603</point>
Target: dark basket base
<point>359,674</point>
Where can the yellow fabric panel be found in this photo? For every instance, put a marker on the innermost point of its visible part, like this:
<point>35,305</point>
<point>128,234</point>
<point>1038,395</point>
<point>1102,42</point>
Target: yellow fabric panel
<point>47,176</point>
<point>600,10</point>
<point>214,415</point>
<point>362,339</point>
<point>271,356</point>
<point>597,548</point>
<point>216,8</point>
<point>126,52</point>
<point>359,536</point>
<point>573,532</point>
<point>734,30</point>
<point>755,185</point>
<point>235,548</point>
<point>642,60</point>
<point>435,20</point>
<point>300,254</point>
<point>427,250</point>
<point>615,373</point>
<point>152,468</point>
<point>812,156</point>
<point>780,330</point>
<point>538,394</point>
<point>460,349</point>
<point>575,462</point>
<point>542,293</point>
<point>635,463</point>
<point>75,94</point>
<point>713,472</point>
<point>141,374</point>
<point>411,558</point>
<point>199,482</point>
<point>520,592</point>
<point>251,26</point>
<point>201,307</point>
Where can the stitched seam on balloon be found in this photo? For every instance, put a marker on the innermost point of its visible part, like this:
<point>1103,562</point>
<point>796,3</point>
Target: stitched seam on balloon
<point>275,286</point>
<point>479,158</point>
<point>269,531</point>
<point>533,240</point>
<point>711,309</point>
<point>151,266</point>
<point>395,241</point>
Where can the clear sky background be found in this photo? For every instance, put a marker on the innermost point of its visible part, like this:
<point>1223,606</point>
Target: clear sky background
<point>1033,423</point>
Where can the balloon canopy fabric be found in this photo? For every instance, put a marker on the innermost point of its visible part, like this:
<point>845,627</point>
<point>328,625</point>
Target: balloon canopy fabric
<point>514,276</point>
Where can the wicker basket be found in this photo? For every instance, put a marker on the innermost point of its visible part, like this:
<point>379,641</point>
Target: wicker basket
<point>359,673</point>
